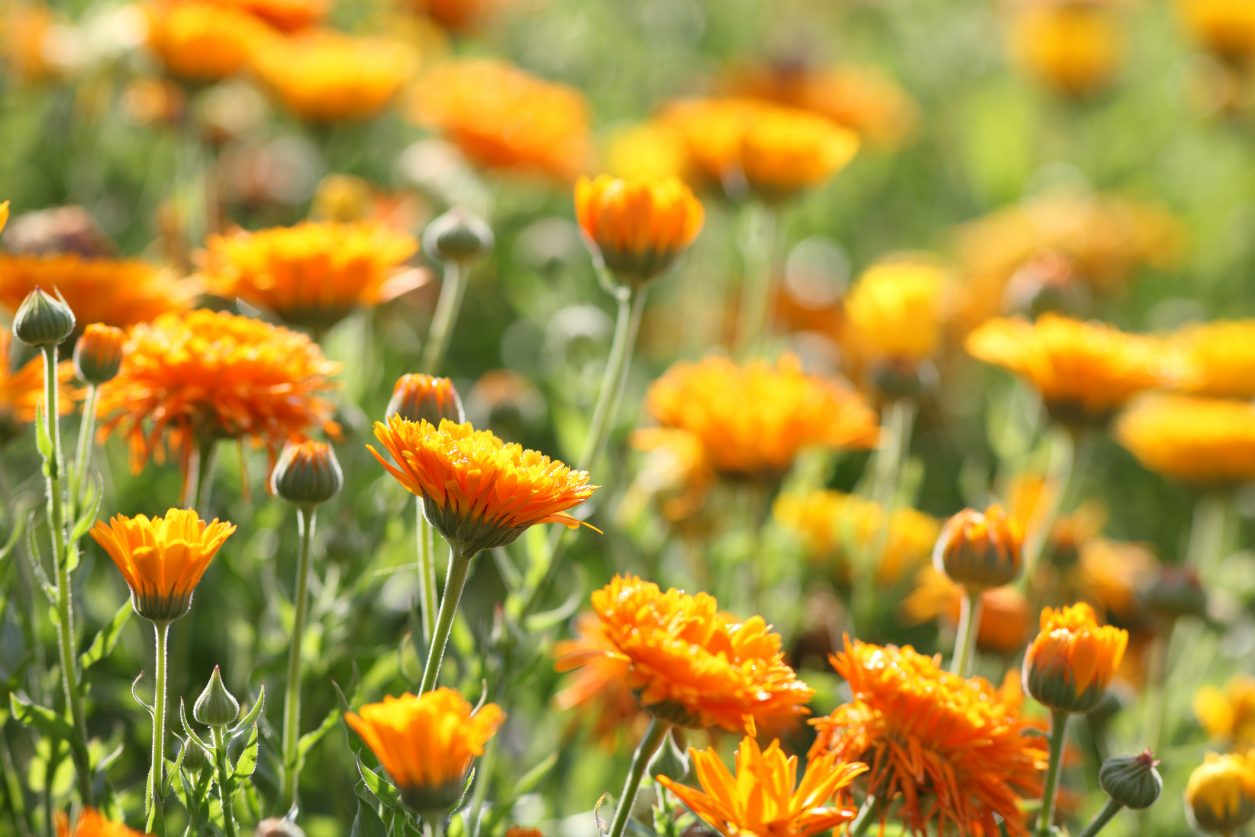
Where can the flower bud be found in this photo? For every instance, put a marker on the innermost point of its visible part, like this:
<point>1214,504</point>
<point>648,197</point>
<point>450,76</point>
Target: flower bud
<point>1132,781</point>
<point>458,236</point>
<point>1070,664</point>
<point>1220,795</point>
<point>903,377</point>
<point>1175,592</point>
<point>980,551</point>
<point>98,353</point>
<point>307,474</point>
<point>194,758</point>
<point>43,320</point>
<point>275,827</point>
<point>216,707</point>
<point>417,397</point>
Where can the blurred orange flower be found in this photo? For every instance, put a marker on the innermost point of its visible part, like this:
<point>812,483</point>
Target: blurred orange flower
<point>1226,28</point>
<point>1005,618</point>
<point>1228,714</point>
<point>1072,46</point>
<point>785,151</point>
<point>895,310</point>
<point>458,15</point>
<point>1202,441</point>
<point>599,687</point>
<point>202,40</point>
<point>1216,358</point>
<point>26,31</point>
<point>22,390</point>
<point>1073,659</point>
<point>285,15</point>
<point>92,823</point>
<point>638,227</point>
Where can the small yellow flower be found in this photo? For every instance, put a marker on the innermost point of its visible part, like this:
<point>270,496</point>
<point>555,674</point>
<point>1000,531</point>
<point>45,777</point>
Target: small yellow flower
<point>1072,46</point>
<point>894,311</point>
<point>1202,441</point>
<point>1073,659</point>
<point>785,151</point>
<point>1216,358</point>
<point>1220,794</point>
<point>1228,715</point>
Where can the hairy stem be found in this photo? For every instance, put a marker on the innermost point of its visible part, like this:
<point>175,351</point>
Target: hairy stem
<point>653,738</point>
<point>306,520</point>
<point>455,582</point>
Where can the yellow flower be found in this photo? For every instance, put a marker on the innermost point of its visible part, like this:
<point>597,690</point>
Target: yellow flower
<point>1221,793</point>
<point>203,40</point>
<point>688,663</point>
<point>1226,28</point>
<point>1071,662</point>
<point>162,559</point>
<point>785,151</point>
<point>637,227</point>
<point>713,131</point>
<point>1084,371</point>
<point>1203,441</point>
<point>754,419</point>
<point>427,743</point>
<point>652,149</point>
<point>21,391</point>
<point>894,310</point>
<point>764,797</point>
<point>324,76</point>
<point>479,491</point>
<point>1216,358</point>
<point>1228,714</point>
<point>92,823</point>
<point>503,118</point>
<point>1072,46</point>
<point>312,274</point>
<point>4,214</point>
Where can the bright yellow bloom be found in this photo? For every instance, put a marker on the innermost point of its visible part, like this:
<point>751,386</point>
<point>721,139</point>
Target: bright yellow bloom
<point>1084,371</point>
<point>688,663</point>
<point>764,797</point>
<point>1226,28</point>
<point>1071,662</point>
<point>311,274</point>
<point>479,491</point>
<point>953,753</point>
<point>1203,441</point>
<point>754,419</point>
<point>162,559</point>
<point>1216,358</point>
<point>324,76</point>
<point>22,390</point>
<point>200,376</point>
<point>115,292</point>
<point>1228,714</point>
<point>1071,46</point>
<point>785,151</point>
<point>637,227</point>
<point>203,40</point>
<point>92,823</point>
<point>894,310</point>
<point>427,743</point>
<point>1005,618</point>
<point>1221,793</point>
<point>651,149</point>
<point>503,118</point>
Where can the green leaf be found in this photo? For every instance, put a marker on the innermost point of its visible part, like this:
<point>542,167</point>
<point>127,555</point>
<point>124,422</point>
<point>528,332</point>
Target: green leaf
<point>251,718</point>
<point>366,823</point>
<point>379,787</point>
<point>191,733</point>
<point>36,558</point>
<point>531,780</point>
<point>106,639</point>
<point>19,527</point>
<point>91,508</point>
<point>246,764</point>
<point>40,718</point>
<point>310,739</point>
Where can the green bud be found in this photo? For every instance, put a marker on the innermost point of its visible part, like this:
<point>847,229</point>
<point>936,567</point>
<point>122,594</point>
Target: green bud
<point>43,320</point>
<point>307,474</point>
<point>457,236</point>
<point>216,707</point>
<point>194,758</point>
<point>1132,781</point>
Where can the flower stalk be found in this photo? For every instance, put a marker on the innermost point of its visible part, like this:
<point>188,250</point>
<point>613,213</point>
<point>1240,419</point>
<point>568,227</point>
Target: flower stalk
<point>221,767</point>
<point>758,250</point>
<point>306,520</point>
<point>653,738</point>
<point>155,813</point>
<point>427,584</point>
<point>965,636</point>
<point>448,305</point>
<point>1059,476</point>
<point>1106,815</point>
<point>1058,735</point>
<point>455,583</point>
<point>82,458</point>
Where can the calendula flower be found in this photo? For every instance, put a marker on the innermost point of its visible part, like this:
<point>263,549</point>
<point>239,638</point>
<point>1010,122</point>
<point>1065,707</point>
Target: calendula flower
<point>688,663</point>
<point>1073,659</point>
<point>324,76</point>
<point>1228,714</point>
<point>1220,795</point>
<point>503,118</point>
<point>201,40</point>
<point>764,797</point>
<point>1225,28</point>
<point>115,292</point>
<point>785,151</point>
<point>1202,441</point>
<point>479,491</point>
<point>1071,46</point>
<point>22,390</point>
<point>1084,371</point>
<point>312,274</point>
<point>416,396</point>
<point>599,689</point>
<point>1005,618</point>
<point>754,419</point>
<point>637,227</point>
<point>427,743</point>
<point>92,823</point>
<point>98,353</point>
<point>954,753</point>
<point>187,379</point>
<point>1216,359</point>
<point>713,133</point>
<point>675,470</point>
<point>980,550</point>
<point>162,559</point>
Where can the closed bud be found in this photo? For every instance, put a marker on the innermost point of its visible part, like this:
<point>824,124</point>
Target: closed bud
<point>98,353</point>
<point>980,551</point>
<point>1220,794</point>
<point>458,236</point>
<point>1175,592</point>
<point>1133,781</point>
<point>43,320</point>
<point>670,760</point>
<point>216,707</point>
<point>194,758</point>
<point>307,474</point>
<point>418,397</point>
<point>275,827</point>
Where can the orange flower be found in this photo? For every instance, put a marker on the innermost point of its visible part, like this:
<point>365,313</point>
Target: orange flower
<point>764,798</point>
<point>980,550</point>
<point>503,118</point>
<point>115,292</point>
<point>1226,28</point>
<point>637,227</point>
<point>162,558</point>
<point>754,419</point>
<point>311,274</point>
<point>689,664</point>
<point>286,15</point>
<point>713,133</point>
<point>417,396</point>
<point>26,31</point>
<point>675,470</point>
<point>98,353</point>
<point>479,491</point>
<point>189,378</point>
<point>92,823</point>
<point>202,40</point>
<point>1084,371</point>
<point>324,76</point>
<point>599,688</point>
<point>1071,662</point>
<point>1217,358</point>
<point>1004,612</point>
<point>427,743</point>
<point>954,752</point>
<point>23,390</point>
<point>1203,441</point>
<point>785,151</point>
<point>1071,46</point>
<point>457,15</point>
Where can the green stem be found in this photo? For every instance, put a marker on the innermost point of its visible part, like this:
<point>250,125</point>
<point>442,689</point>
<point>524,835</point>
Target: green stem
<point>1058,734</point>
<point>756,291</point>
<point>224,780</point>
<point>1207,534</point>
<point>199,474</point>
<point>654,736</point>
<point>1106,815</point>
<point>62,551</point>
<point>455,582</point>
<point>452,291</point>
<point>868,815</point>
<point>965,637</point>
<point>483,778</point>
<point>155,809</point>
<point>306,520</point>
<point>82,458</point>
<point>426,572</point>
<point>15,799</point>
<point>1058,478</point>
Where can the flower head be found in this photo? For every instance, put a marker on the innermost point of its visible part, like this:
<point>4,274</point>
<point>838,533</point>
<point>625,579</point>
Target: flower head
<point>92,823</point>
<point>1073,659</point>
<point>208,375</point>
<point>688,663</point>
<point>598,689</point>
<point>980,550</point>
<point>162,559</point>
<point>98,353</point>
<point>637,227</point>
<point>202,40</point>
<point>785,151</point>
<point>1203,441</point>
<point>712,132</point>
<point>312,274</point>
<point>1216,359</point>
<point>1084,371</point>
<point>1228,714</point>
<point>894,310</point>
<point>954,752</point>
<point>479,491</point>
<point>764,797</point>
<point>1220,795</point>
<point>427,743</point>
<point>754,419</point>
<point>307,473</point>
<point>417,396</point>
<point>1072,46</point>
<point>22,390</point>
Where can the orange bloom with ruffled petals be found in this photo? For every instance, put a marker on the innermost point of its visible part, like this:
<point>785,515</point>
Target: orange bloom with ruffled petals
<point>599,689</point>
<point>637,226</point>
<point>22,390</point>
<point>92,823</point>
